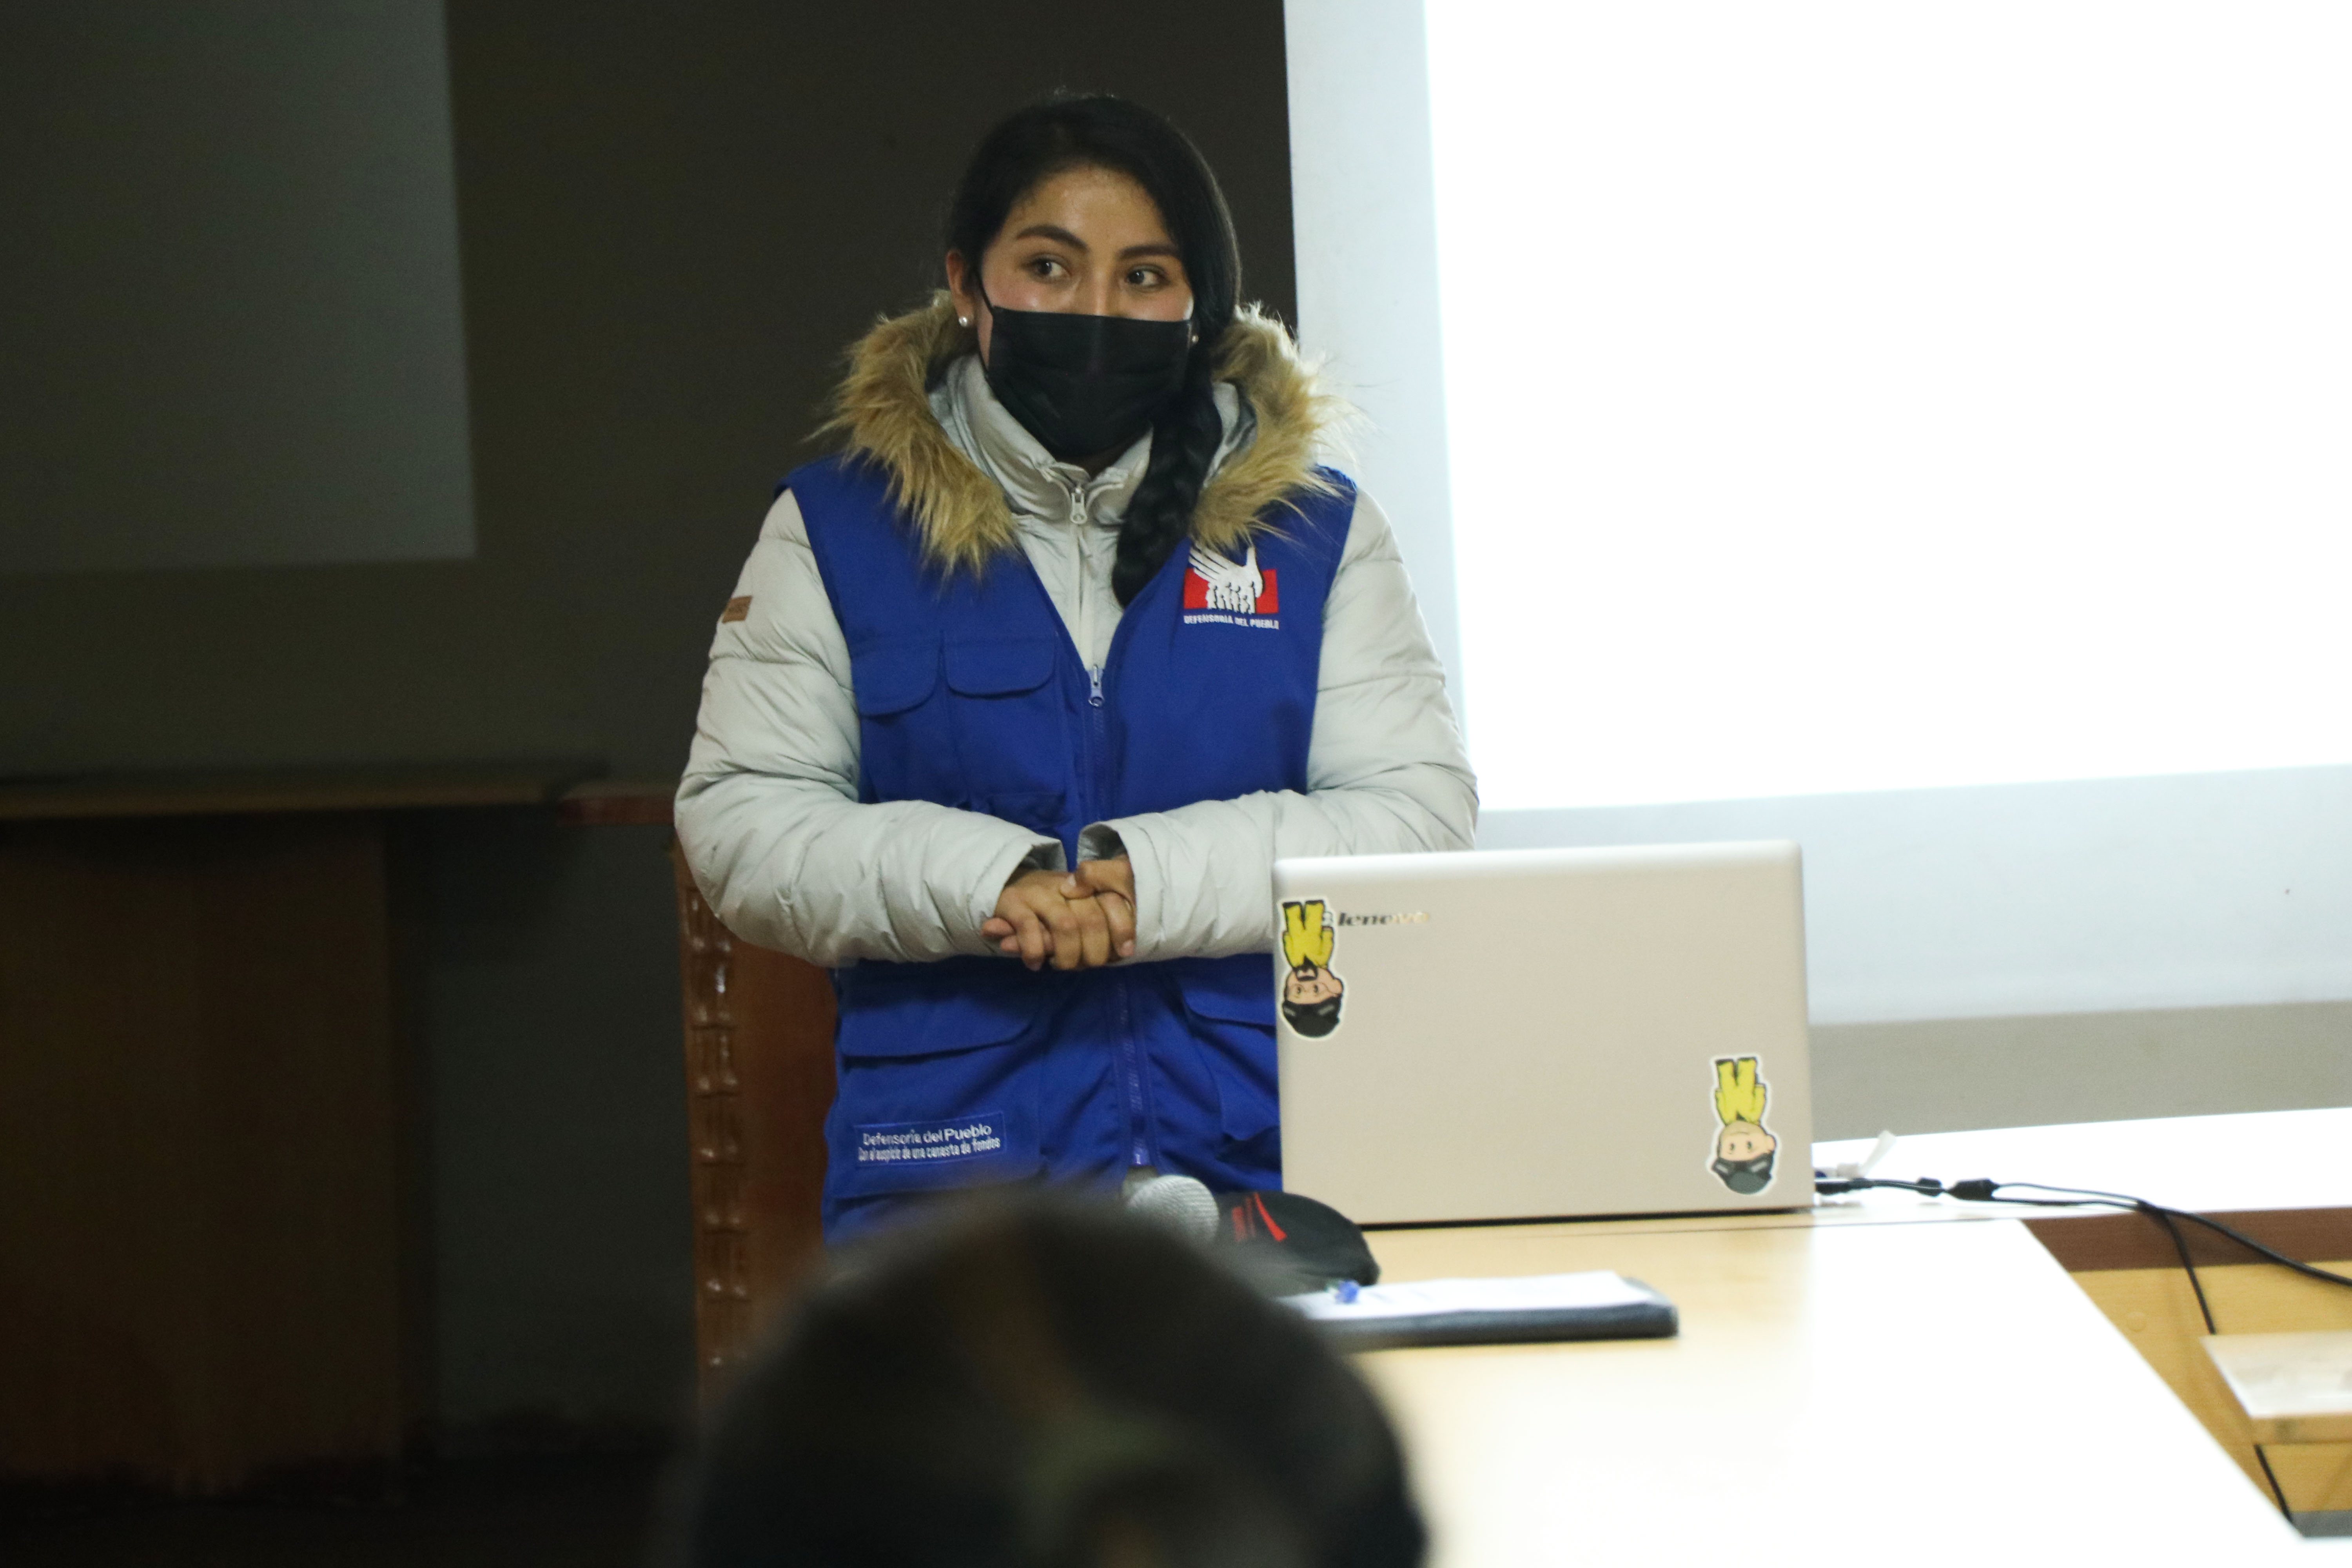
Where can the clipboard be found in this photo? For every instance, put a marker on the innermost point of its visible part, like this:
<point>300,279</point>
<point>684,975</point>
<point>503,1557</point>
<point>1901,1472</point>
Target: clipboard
<point>1523,1309</point>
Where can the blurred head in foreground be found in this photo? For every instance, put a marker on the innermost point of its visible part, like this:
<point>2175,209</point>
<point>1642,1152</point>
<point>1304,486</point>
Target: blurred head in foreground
<point>1032,1383</point>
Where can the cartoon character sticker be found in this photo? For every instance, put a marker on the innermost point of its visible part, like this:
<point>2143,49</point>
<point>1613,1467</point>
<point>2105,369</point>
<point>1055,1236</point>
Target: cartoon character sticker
<point>1744,1148</point>
<point>1310,991</point>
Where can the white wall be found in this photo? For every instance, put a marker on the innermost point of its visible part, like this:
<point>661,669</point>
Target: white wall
<point>1366,228</point>
<point>2209,889</point>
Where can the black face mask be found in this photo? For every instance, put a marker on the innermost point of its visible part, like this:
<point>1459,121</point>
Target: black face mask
<point>1744,1176</point>
<point>1085,386</point>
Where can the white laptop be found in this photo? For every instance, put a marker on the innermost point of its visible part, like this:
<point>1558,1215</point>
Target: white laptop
<point>1520,1034</point>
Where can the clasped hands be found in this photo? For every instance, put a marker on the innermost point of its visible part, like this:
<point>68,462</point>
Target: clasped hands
<point>1074,920</point>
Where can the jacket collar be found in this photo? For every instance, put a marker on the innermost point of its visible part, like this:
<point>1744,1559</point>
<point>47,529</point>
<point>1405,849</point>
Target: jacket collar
<point>1034,483</point>
<point>885,409</point>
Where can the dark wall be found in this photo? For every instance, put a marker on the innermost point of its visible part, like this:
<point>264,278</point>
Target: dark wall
<point>231,246</point>
<point>672,219</point>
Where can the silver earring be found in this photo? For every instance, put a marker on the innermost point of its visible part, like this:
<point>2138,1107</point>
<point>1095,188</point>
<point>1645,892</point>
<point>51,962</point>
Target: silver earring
<point>963,320</point>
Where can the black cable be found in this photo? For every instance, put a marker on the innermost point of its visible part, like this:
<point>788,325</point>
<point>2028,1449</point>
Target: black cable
<point>1981,1190</point>
<point>2262,1458</point>
<point>2164,1218</point>
<point>2169,1219</point>
<point>2188,1267</point>
<point>2240,1236</point>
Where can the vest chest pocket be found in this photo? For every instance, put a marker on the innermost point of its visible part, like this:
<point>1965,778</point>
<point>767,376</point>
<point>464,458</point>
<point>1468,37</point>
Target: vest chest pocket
<point>1012,735</point>
<point>904,750</point>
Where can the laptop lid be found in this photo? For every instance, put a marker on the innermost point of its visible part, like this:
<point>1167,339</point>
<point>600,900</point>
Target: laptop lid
<point>1521,1033</point>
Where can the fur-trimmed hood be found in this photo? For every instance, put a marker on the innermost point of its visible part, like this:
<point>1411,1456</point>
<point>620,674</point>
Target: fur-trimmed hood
<point>883,410</point>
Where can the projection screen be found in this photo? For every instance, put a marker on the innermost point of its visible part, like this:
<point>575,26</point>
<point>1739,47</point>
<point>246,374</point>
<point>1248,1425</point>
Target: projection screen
<point>1920,431</point>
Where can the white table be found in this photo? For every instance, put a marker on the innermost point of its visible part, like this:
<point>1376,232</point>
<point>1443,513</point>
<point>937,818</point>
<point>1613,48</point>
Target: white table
<point>1892,1380</point>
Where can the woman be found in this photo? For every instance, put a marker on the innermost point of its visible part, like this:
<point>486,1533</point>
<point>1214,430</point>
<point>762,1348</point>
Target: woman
<point>1069,642</point>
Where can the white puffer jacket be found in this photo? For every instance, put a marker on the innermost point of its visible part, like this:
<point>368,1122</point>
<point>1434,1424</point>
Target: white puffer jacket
<point>767,813</point>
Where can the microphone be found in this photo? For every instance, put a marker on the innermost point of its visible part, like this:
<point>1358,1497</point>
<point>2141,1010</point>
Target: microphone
<point>1179,1204</point>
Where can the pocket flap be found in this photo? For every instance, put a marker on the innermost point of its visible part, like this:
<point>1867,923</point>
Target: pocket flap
<point>928,1009</point>
<point>892,677</point>
<point>999,666</point>
<point>1237,990</point>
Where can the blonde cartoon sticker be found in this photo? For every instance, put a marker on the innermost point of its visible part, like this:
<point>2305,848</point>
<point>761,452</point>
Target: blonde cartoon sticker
<point>1310,991</point>
<point>1744,1148</point>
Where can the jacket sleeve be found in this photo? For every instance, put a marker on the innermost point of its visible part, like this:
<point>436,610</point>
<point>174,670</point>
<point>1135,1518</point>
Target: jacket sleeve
<point>767,811</point>
<point>1386,773</point>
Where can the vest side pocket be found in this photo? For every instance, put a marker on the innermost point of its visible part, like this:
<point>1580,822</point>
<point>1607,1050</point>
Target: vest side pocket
<point>1229,1001</point>
<point>1009,729</point>
<point>939,1079</point>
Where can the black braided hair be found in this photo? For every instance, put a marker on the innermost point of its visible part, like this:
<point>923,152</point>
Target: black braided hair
<point>1064,132</point>
<point>1160,514</point>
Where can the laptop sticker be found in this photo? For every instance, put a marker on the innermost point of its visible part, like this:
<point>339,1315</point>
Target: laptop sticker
<point>1745,1146</point>
<point>1311,992</point>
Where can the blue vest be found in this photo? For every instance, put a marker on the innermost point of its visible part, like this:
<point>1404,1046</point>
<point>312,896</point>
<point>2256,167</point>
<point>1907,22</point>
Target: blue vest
<point>970,694</point>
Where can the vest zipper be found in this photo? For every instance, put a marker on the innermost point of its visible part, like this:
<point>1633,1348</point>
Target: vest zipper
<point>1139,1139</point>
<point>1138,1117</point>
<point>1131,1062</point>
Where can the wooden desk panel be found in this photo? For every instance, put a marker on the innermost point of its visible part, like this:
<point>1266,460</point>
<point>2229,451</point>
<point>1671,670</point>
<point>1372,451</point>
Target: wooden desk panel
<point>759,1081</point>
<point>2158,1314</point>
<point>287,791</point>
<point>1916,1394</point>
<point>213,1269</point>
<point>201,1152</point>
